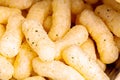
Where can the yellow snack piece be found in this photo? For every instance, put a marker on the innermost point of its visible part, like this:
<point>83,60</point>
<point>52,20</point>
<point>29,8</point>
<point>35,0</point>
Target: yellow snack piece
<point>77,6</point>
<point>110,17</point>
<point>61,19</point>
<point>112,3</point>
<point>106,47</point>
<point>39,11</point>
<point>38,40</point>
<point>23,62</point>
<point>20,4</point>
<point>11,41</point>
<point>55,70</point>
<point>6,12</point>
<point>89,48</point>
<point>6,69</point>
<point>86,66</point>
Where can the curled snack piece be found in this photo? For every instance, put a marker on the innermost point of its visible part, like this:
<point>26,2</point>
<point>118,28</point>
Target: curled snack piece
<point>89,48</point>
<point>55,70</point>
<point>77,58</point>
<point>11,41</point>
<point>6,12</point>
<point>40,10</point>
<point>61,19</point>
<point>114,4</point>
<point>77,6</point>
<point>20,4</point>
<point>107,49</point>
<point>23,62</point>
<point>110,17</point>
<point>6,69</point>
<point>38,40</point>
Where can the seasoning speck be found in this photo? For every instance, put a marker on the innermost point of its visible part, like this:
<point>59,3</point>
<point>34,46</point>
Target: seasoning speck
<point>108,10</point>
<point>32,42</point>
<point>56,34</point>
<point>98,12</point>
<point>36,30</point>
<point>72,57</point>
<point>28,39</point>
